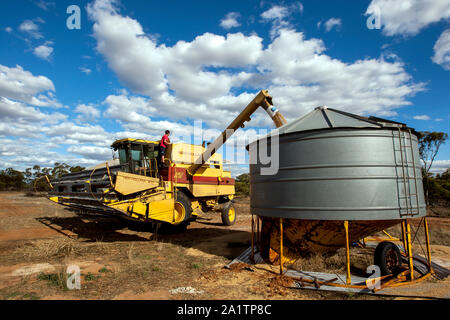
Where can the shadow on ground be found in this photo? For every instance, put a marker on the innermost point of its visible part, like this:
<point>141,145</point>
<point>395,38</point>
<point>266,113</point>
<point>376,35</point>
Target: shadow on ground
<point>210,239</point>
<point>89,230</point>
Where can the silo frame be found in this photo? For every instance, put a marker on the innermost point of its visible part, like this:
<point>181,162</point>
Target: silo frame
<point>391,280</point>
<point>405,223</point>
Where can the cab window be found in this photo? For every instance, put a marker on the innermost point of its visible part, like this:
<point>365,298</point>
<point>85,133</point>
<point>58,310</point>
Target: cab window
<point>122,156</point>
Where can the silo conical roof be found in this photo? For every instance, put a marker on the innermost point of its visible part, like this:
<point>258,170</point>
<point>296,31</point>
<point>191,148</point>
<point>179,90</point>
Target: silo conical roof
<point>325,118</point>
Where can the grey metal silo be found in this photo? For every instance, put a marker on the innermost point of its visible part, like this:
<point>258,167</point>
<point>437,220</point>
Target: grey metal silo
<point>335,165</point>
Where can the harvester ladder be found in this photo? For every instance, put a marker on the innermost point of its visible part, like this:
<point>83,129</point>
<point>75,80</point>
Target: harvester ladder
<point>406,177</point>
<point>150,165</point>
<point>153,168</point>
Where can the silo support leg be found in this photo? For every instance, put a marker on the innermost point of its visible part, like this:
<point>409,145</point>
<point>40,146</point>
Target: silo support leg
<point>405,244</point>
<point>410,257</point>
<point>347,251</point>
<point>252,257</point>
<point>281,246</point>
<point>427,238</point>
<point>258,234</point>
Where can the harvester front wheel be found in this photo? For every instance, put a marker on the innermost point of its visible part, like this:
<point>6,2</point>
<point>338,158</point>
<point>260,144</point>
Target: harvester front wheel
<point>388,258</point>
<point>228,214</point>
<point>182,213</point>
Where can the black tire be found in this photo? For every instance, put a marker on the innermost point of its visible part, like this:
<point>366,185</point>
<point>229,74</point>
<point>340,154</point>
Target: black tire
<point>388,258</point>
<point>228,214</point>
<point>184,202</point>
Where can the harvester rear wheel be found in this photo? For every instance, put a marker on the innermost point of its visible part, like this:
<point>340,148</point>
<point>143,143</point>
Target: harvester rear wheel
<point>228,214</point>
<point>388,258</point>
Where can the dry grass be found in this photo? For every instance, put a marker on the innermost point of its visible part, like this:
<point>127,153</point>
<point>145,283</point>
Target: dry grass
<point>63,247</point>
<point>321,263</point>
<point>130,253</point>
<point>440,236</point>
<point>41,249</point>
<point>439,211</point>
<point>360,259</point>
<point>35,194</point>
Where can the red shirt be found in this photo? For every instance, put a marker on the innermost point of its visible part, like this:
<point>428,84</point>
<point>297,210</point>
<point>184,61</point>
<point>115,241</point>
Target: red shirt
<point>163,141</point>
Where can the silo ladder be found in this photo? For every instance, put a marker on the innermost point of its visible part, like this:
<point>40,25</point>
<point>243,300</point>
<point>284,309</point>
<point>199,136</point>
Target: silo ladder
<point>410,210</point>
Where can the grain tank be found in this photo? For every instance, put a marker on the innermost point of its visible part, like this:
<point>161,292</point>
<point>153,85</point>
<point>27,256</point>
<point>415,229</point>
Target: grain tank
<point>333,167</point>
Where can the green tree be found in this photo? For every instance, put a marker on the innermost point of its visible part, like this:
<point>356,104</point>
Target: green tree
<point>37,179</point>
<point>76,169</point>
<point>439,188</point>
<point>429,144</point>
<point>243,184</point>
<point>11,179</point>
<point>34,178</point>
<point>59,169</point>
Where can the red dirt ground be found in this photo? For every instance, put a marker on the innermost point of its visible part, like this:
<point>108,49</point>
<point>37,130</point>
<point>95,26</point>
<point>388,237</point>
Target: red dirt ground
<point>120,261</point>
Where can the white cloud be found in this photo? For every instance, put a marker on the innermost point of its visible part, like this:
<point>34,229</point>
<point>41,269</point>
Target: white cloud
<point>332,23</point>
<point>45,5</point>
<point>18,84</point>
<point>442,50</point>
<point>278,15</point>
<point>230,21</point>
<point>21,120</point>
<point>408,17</point>
<point>28,26</point>
<point>82,133</point>
<point>422,117</point>
<point>189,80</point>
<point>133,114</point>
<point>236,170</point>
<point>37,132</point>
<point>438,119</point>
<point>8,29</point>
<point>87,112</point>
<point>15,110</point>
<point>44,51</point>
<point>297,6</point>
<point>127,109</point>
<point>92,152</point>
<point>85,70</point>
<point>440,166</point>
<point>31,28</point>
<point>32,152</point>
<point>276,12</point>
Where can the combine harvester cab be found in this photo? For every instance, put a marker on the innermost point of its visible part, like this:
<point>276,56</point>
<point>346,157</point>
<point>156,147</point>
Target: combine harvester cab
<point>138,187</point>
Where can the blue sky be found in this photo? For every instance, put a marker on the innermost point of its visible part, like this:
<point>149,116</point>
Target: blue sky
<point>136,68</point>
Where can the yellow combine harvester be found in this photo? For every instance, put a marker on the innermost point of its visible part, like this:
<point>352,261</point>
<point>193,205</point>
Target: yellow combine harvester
<point>191,181</point>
